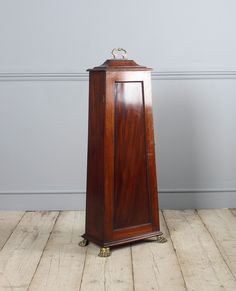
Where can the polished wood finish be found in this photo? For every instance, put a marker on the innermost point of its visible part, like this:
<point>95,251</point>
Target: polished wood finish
<point>130,159</point>
<point>122,201</point>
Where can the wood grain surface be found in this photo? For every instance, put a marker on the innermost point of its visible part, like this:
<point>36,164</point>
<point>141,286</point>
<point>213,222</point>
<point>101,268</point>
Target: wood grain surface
<point>41,252</point>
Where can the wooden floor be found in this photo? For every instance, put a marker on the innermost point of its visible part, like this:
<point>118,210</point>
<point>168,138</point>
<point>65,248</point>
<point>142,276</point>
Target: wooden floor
<point>39,251</point>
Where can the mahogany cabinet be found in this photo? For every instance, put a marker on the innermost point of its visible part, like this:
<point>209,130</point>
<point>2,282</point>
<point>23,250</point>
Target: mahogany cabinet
<point>122,199</point>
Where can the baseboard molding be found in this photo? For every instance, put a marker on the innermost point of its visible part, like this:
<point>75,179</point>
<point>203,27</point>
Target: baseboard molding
<point>70,200</point>
<point>162,75</point>
<point>197,200</point>
<point>40,201</point>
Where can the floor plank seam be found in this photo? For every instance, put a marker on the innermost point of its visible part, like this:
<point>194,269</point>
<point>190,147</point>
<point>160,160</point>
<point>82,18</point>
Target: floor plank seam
<point>216,244</point>
<point>132,266</point>
<point>104,276</point>
<point>82,275</point>
<point>155,269</point>
<point>13,231</point>
<point>231,210</point>
<point>172,243</point>
<point>43,250</point>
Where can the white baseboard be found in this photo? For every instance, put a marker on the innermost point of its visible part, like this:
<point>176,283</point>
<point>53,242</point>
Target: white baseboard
<point>76,201</point>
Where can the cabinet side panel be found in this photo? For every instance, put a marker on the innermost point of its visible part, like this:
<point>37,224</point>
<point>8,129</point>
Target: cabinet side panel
<point>95,162</point>
<point>131,186</point>
<point>151,154</point>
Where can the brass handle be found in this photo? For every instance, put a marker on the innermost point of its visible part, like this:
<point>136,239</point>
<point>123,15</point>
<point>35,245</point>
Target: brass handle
<point>116,52</point>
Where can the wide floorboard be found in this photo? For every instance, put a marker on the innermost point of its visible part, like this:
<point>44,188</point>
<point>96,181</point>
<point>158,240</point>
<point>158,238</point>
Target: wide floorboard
<point>39,251</point>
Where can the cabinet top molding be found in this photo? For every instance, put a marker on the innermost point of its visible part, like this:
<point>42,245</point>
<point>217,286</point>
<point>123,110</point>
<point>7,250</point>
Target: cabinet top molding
<point>120,65</point>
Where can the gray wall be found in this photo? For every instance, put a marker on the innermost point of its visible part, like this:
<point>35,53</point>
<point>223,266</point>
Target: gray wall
<point>45,49</point>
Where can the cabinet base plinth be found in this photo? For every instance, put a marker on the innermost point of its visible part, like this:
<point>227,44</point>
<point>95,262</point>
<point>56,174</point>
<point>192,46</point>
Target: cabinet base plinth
<point>122,241</point>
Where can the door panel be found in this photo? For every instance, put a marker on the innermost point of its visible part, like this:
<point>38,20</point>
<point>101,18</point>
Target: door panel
<point>131,191</point>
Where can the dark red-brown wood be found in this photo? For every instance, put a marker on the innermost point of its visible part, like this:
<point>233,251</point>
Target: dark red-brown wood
<point>122,201</point>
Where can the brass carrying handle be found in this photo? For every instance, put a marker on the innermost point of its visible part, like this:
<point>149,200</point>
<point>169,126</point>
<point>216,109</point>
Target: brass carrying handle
<point>116,52</point>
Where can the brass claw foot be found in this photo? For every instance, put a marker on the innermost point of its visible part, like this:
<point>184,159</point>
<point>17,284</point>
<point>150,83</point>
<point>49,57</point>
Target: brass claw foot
<point>104,252</point>
<point>161,239</point>
<point>84,243</point>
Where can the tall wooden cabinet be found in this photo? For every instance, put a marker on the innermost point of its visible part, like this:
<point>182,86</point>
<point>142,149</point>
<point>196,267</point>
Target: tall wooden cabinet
<point>122,199</point>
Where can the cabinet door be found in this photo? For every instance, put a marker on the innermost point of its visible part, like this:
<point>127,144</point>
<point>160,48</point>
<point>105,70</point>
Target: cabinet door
<point>131,185</point>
